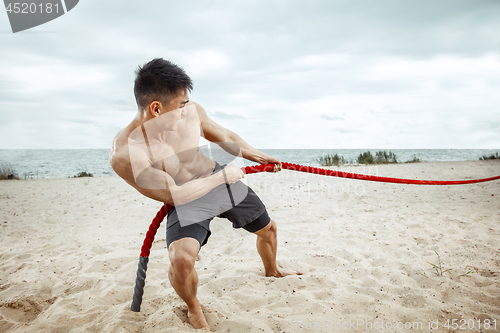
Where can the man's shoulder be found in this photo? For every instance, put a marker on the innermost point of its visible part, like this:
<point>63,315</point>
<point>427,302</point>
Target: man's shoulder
<point>199,109</point>
<point>125,153</point>
<point>119,159</point>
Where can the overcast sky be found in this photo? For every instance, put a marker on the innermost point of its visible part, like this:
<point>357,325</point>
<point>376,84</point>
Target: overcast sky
<point>282,74</point>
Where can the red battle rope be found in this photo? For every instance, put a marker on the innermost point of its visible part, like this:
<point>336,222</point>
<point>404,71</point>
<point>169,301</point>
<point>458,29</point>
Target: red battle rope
<point>150,235</point>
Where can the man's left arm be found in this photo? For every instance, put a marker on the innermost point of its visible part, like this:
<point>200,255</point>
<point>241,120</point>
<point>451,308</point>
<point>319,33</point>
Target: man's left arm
<point>214,132</point>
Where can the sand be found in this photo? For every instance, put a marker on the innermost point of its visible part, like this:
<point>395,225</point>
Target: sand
<point>69,251</point>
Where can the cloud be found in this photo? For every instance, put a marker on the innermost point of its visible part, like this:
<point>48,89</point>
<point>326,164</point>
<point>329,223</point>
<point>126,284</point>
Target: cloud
<point>204,62</point>
<point>332,117</point>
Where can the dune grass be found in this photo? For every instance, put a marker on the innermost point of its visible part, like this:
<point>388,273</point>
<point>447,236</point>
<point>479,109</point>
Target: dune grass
<point>329,160</point>
<point>83,174</point>
<point>439,268</point>
<point>491,157</point>
<point>8,172</point>
<point>381,157</point>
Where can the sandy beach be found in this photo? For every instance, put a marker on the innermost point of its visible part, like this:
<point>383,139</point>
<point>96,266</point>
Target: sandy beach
<point>69,251</point>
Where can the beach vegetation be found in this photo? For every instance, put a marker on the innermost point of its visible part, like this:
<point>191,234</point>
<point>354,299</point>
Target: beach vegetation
<point>381,157</point>
<point>83,174</point>
<point>7,172</point>
<point>365,158</point>
<point>384,157</point>
<point>414,160</point>
<point>468,273</point>
<point>439,268</point>
<point>491,157</point>
<point>329,160</point>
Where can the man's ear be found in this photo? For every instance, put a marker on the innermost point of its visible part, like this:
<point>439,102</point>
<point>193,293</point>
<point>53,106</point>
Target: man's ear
<point>155,108</point>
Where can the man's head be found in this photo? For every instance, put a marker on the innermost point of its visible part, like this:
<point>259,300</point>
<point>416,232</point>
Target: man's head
<point>160,80</point>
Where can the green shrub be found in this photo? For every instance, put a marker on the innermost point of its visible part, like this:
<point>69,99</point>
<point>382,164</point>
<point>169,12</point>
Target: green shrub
<point>330,160</point>
<point>83,174</point>
<point>365,158</point>
<point>7,172</point>
<point>491,157</point>
<point>381,157</point>
<point>384,157</point>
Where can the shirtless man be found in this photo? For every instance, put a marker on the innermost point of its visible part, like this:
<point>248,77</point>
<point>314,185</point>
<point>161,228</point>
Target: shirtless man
<point>158,155</point>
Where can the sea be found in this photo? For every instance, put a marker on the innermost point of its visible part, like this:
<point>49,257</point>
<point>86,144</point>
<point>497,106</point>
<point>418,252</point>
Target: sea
<point>62,163</point>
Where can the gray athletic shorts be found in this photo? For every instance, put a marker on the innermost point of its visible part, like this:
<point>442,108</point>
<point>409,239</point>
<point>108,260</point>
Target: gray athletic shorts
<point>236,202</point>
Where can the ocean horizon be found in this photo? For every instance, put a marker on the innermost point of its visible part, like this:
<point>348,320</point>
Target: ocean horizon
<point>63,163</point>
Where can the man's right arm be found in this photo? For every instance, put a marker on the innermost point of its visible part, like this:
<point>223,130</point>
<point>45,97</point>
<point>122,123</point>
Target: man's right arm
<point>164,189</point>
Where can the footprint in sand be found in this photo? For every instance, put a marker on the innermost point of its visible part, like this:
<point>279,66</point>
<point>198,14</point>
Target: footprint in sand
<point>25,310</point>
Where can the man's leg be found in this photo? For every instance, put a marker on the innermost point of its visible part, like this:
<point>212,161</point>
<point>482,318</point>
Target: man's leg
<point>183,277</point>
<point>267,245</point>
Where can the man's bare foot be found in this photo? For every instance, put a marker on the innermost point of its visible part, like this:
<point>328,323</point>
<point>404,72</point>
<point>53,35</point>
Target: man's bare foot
<point>197,318</point>
<point>282,273</point>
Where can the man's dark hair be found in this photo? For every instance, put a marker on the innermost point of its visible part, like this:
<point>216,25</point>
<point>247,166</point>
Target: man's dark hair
<point>159,80</point>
